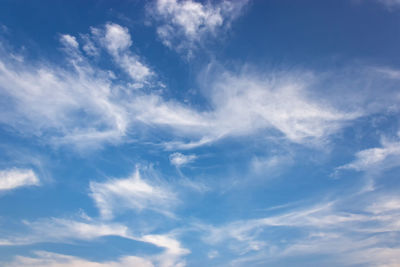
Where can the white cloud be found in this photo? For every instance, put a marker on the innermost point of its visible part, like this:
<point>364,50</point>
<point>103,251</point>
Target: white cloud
<point>14,178</point>
<point>48,259</point>
<point>117,41</point>
<point>87,106</point>
<point>387,204</point>
<point>78,105</point>
<point>185,24</point>
<point>131,193</point>
<point>328,229</point>
<point>68,230</point>
<point>59,104</point>
<point>154,110</point>
<point>89,45</point>
<point>81,105</point>
<point>117,38</point>
<point>84,107</point>
<point>178,159</point>
<point>64,229</point>
<point>320,216</point>
<point>376,157</point>
<point>173,250</point>
<point>69,40</point>
<point>247,104</point>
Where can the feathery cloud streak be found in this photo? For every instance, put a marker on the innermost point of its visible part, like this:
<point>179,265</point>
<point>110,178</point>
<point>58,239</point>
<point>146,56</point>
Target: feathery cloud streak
<point>131,193</point>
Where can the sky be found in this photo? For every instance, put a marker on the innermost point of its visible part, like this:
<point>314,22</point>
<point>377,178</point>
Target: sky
<point>179,133</point>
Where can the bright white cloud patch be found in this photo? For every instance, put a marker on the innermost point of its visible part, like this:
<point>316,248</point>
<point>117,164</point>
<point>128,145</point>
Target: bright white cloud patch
<point>185,24</point>
<point>14,178</point>
<point>246,104</point>
<point>69,40</point>
<point>75,106</point>
<point>173,250</point>
<point>132,193</point>
<point>117,41</point>
<point>78,105</point>
<point>366,159</point>
<point>178,159</point>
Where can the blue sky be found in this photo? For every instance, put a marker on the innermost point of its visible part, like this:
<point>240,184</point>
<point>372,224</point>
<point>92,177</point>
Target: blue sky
<point>186,133</point>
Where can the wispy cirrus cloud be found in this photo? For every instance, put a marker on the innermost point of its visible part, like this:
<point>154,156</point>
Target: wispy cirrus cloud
<point>251,120</point>
<point>65,230</point>
<point>87,106</point>
<point>48,259</point>
<point>60,104</point>
<point>84,107</point>
<point>132,193</point>
<point>375,158</point>
<point>185,25</point>
<point>75,103</point>
<point>111,197</point>
<point>326,230</point>
<point>14,178</point>
<point>296,105</point>
<point>280,104</point>
<point>62,230</point>
<point>171,257</point>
